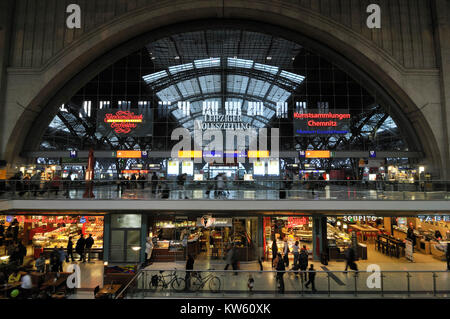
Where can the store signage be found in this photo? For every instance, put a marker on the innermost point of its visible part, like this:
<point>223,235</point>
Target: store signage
<point>258,154</point>
<point>222,122</point>
<point>190,154</point>
<point>372,154</point>
<point>73,154</point>
<point>82,220</point>
<point>135,171</point>
<point>318,154</point>
<point>409,252</point>
<point>302,154</point>
<point>45,219</point>
<point>353,219</point>
<point>131,122</point>
<point>129,154</point>
<point>297,221</point>
<point>434,218</point>
<point>9,219</point>
<point>317,123</point>
<point>209,221</point>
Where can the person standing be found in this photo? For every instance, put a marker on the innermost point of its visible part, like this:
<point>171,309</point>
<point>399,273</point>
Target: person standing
<point>70,250</point>
<point>26,285</point>
<point>148,250</point>
<point>280,273</point>
<point>189,267</point>
<point>154,183</point>
<point>234,260</point>
<point>350,258</point>
<point>410,235</point>
<point>89,242</point>
<point>312,278</point>
<point>21,252</point>
<point>229,258</point>
<point>2,232</point>
<point>79,248</point>
<point>40,263</point>
<point>303,263</point>
<point>62,258</point>
<point>54,260</point>
<point>274,250</point>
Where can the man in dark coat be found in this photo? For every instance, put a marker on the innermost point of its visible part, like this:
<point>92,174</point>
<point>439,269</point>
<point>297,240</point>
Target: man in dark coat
<point>350,258</point>
<point>189,267</point>
<point>303,263</point>
<point>89,242</point>
<point>280,273</point>
<point>70,250</point>
<point>274,250</point>
<point>79,248</point>
<point>312,278</point>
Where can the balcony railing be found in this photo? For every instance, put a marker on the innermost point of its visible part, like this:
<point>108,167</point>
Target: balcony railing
<point>266,284</point>
<point>230,190</point>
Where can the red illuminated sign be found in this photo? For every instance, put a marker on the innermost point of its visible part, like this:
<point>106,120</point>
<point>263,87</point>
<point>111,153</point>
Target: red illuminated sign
<point>123,121</point>
<point>328,116</point>
<point>297,221</point>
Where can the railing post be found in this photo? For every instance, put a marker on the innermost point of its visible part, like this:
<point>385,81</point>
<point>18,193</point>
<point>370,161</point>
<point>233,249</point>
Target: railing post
<point>329,288</point>
<point>407,277</point>
<point>356,284</point>
<point>434,284</point>
<point>382,284</point>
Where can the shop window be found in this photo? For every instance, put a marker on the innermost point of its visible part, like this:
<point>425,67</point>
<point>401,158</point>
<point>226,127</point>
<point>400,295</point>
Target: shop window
<point>126,221</point>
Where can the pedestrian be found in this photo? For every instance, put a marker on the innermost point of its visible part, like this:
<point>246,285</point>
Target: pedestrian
<point>54,260</point>
<point>40,263</point>
<point>234,260</point>
<point>181,179</point>
<point>21,252</point>
<point>411,236</point>
<point>350,257</point>
<point>70,250</point>
<point>148,251</point>
<point>35,182</point>
<point>286,252</point>
<point>312,278</point>
<point>2,232</point>
<point>280,273</point>
<point>303,263</point>
<point>79,248</point>
<point>154,183</point>
<point>62,258</point>
<point>229,258</point>
<point>89,242</point>
<point>295,251</point>
<point>189,267</point>
<point>26,285</point>
<point>447,254</point>
<point>274,251</point>
<point>15,229</point>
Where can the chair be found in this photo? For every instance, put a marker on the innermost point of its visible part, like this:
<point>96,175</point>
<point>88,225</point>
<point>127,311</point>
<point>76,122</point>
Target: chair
<point>96,290</point>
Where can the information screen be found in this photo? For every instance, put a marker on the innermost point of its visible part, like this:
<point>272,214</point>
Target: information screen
<point>259,168</point>
<point>187,167</point>
<point>274,168</point>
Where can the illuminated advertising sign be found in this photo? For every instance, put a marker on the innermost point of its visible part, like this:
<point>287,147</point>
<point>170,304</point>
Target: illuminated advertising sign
<point>190,154</point>
<point>259,168</point>
<point>274,168</point>
<point>187,167</point>
<point>134,122</point>
<point>258,154</point>
<point>173,168</point>
<point>297,221</point>
<point>317,123</point>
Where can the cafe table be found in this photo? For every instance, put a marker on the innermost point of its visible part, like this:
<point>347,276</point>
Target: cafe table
<point>109,290</point>
<point>9,286</point>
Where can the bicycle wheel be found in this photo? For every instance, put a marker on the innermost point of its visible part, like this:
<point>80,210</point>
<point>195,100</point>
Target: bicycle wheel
<point>196,283</point>
<point>214,284</point>
<point>178,284</point>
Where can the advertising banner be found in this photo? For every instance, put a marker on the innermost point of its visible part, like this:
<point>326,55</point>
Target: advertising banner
<point>314,123</point>
<point>138,123</point>
<point>409,254</point>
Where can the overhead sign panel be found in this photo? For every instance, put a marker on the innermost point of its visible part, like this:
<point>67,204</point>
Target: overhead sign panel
<point>318,154</point>
<point>129,154</point>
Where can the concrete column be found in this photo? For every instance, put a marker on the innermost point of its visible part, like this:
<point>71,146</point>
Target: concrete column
<point>260,237</point>
<point>6,21</point>
<point>441,21</point>
<point>143,238</point>
<point>106,237</point>
<point>320,244</point>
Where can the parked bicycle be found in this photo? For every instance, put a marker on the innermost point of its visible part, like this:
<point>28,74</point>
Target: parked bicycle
<point>166,281</point>
<point>198,282</point>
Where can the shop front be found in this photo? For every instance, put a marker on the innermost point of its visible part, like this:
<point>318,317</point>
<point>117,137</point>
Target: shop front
<point>41,233</point>
<point>204,236</point>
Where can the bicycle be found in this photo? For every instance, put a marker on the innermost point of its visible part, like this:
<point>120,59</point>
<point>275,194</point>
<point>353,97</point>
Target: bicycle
<point>176,283</point>
<point>198,282</point>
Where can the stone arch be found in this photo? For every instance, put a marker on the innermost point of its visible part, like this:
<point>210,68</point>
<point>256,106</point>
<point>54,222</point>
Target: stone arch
<point>73,67</point>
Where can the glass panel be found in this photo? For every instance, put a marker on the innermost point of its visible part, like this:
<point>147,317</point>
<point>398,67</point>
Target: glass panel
<point>126,221</point>
<point>117,249</point>
<point>133,242</point>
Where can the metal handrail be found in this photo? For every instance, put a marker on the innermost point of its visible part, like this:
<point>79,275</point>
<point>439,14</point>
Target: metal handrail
<point>139,273</point>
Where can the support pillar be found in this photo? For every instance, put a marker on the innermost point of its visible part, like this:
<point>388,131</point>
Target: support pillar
<point>320,244</point>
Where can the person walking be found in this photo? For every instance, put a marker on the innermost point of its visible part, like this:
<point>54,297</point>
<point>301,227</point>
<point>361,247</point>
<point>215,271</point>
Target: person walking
<point>280,273</point>
<point>350,257</point>
<point>229,258</point>
<point>154,183</point>
<point>234,260</point>
<point>26,285</point>
<point>89,242</point>
<point>70,250</point>
<point>274,250</point>
<point>303,263</point>
<point>79,248</point>
<point>311,278</point>
<point>21,252</point>
<point>148,251</point>
<point>295,251</point>
<point>189,267</point>
<point>286,252</point>
<point>62,257</point>
<point>447,254</point>
<point>35,183</point>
